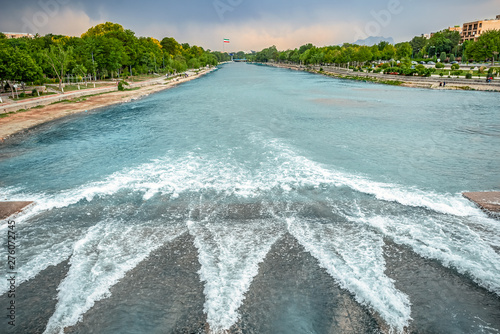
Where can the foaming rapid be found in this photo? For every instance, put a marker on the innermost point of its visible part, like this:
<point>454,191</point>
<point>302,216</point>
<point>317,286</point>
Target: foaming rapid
<point>230,250</point>
<point>229,254</point>
<point>448,240</point>
<point>352,254</point>
<point>284,171</point>
<point>99,260</point>
<point>315,174</point>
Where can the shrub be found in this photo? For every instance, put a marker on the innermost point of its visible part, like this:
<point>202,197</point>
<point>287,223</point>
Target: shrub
<point>33,92</point>
<point>452,58</point>
<point>441,74</point>
<point>439,65</point>
<point>481,69</point>
<point>455,67</point>
<point>22,95</point>
<point>468,75</point>
<point>443,57</point>
<point>457,73</point>
<point>121,85</point>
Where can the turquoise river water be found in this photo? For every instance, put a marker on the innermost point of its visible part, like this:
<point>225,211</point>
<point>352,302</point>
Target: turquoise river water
<point>259,200</point>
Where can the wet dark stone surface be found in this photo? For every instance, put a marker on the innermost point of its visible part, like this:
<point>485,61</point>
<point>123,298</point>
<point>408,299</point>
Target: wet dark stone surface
<point>163,294</point>
<point>35,301</point>
<point>302,296</point>
<point>443,301</point>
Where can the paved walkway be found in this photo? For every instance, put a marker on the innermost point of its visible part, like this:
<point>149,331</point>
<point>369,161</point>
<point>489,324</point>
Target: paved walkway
<point>9,105</point>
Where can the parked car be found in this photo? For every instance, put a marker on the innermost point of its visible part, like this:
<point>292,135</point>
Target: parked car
<point>454,62</point>
<point>414,63</point>
<point>431,63</point>
<point>423,62</point>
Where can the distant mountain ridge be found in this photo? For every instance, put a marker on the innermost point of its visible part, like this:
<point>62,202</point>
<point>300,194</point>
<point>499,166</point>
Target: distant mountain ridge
<point>374,40</point>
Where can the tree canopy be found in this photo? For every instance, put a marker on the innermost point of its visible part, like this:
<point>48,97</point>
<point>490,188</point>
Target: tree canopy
<point>443,44</point>
<point>486,45</point>
<point>104,51</point>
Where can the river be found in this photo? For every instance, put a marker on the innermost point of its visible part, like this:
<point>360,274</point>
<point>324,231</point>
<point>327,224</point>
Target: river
<point>259,200</point>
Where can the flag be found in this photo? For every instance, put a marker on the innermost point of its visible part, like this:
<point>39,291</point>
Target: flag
<point>226,40</point>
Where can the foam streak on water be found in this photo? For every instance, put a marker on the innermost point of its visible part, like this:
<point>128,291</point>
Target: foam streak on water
<point>194,172</point>
<point>446,239</point>
<point>100,259</point>
<point>352,254</point>
<point>229,254</point>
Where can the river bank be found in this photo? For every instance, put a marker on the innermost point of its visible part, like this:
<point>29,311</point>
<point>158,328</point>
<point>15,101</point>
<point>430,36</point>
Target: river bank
<point>396,80</point>
<point>68,104</point>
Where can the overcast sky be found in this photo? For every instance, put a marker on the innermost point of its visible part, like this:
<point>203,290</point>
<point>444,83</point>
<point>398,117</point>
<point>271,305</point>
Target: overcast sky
<point>249,24</point>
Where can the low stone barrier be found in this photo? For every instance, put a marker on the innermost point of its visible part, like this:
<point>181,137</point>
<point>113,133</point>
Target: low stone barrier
<point>46,100</point>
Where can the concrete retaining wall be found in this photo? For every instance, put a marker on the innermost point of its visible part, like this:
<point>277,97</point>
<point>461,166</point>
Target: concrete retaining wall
<point>456,81</point>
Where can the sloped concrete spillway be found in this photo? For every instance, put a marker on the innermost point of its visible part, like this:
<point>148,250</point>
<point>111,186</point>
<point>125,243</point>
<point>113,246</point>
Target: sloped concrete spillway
<point>246,269</point>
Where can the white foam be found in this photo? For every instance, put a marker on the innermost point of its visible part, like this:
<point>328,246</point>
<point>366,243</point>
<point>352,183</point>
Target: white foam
<point>352,254</point>
<point>43,256</point>
<point>99,260</point>
<point>315,174</point>
<point>41,247</point>
<point>451,241</point>
<point>282,170</point>
<point>229,254</point>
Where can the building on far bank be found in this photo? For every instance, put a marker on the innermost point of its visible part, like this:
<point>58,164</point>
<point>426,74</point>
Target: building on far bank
<point>456,28</point>
<point>17,35</point>
<point>472,30</point>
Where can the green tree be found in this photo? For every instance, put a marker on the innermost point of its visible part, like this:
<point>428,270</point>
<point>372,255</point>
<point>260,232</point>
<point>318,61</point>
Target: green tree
<point>442,57</point>
<point>388,52</point>
<point>363,54</point>
<point>79,70</point>
<point>485,46</point>
<point>403,50</point>
<point>241,55</point>
<point>305,47</point>
<point>376,52</point>
<point>171,46</point>
<point>58,58</point>
<point>381,46</point>
<point>103,29</point>
<point>444,41</point>
<point>418,43</point>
